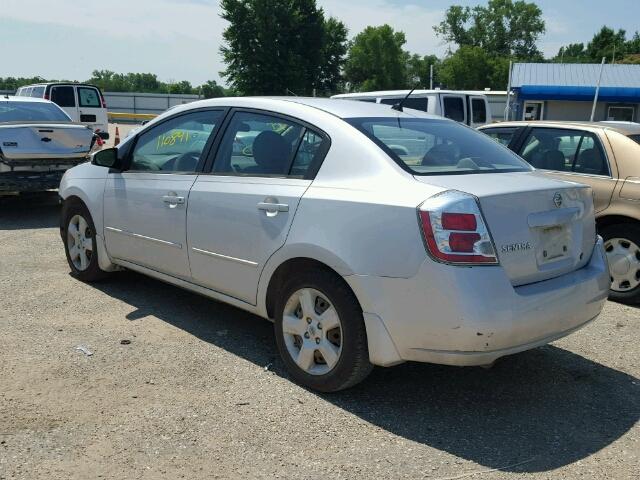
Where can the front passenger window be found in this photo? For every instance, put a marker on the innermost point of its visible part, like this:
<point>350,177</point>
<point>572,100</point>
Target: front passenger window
<point>176,144</point>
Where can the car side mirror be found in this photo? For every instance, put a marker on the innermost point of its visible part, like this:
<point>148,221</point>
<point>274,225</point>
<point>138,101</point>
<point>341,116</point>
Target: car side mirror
<point>107,158</point>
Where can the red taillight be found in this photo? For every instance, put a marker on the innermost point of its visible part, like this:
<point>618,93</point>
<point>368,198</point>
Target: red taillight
<point>46,96</point>
<point>454,229</point>
<point>459,221</point>
<point>104,104</point>
<point>463,242</point>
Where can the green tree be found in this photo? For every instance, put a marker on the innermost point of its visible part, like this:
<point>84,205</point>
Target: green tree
<point>572,53</point>
<point>419,69</point>
<point>211,89</point>
<point>376,60</point>
<point>607,43</point>
<point>281,46</point>
<point>501,28</point>
<point>469,68</point>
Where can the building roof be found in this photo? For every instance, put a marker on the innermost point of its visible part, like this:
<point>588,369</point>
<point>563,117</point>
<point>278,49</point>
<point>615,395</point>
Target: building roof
<point>575,75</point>
<point>576,82</point>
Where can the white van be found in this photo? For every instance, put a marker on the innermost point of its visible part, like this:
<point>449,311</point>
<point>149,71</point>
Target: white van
<point>470,108</point>
<point>84,103</point>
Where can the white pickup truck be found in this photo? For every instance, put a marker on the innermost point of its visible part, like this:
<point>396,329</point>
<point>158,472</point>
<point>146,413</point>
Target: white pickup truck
<point>470,108</point>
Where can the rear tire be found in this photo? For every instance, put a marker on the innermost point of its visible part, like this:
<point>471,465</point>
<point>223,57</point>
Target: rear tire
<point>79,238</point>
<point>320,332</point>
<point>622,246</point>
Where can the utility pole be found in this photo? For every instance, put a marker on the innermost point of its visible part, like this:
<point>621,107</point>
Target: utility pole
<point>595,98</point>
<point>507,108</point>
<point>431,77</point>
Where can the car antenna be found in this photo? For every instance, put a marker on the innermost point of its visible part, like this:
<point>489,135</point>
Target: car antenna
<point>398,106</point>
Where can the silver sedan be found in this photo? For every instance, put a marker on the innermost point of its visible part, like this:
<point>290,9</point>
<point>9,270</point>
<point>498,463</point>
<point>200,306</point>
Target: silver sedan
<point>368,235</point>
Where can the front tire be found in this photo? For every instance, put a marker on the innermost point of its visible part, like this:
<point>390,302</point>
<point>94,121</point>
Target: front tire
<point>320,332</point>
<point>622,246</point>
<point>79,237</point>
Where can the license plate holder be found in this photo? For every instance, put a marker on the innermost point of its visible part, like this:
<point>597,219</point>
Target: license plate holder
<point>555,243</point>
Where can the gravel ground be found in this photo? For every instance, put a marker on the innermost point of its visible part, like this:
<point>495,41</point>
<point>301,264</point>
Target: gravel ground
<point>200,393</point>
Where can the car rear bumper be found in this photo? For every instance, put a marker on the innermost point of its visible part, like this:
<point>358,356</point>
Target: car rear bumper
<point>30,181</point>
<point>473,315</point>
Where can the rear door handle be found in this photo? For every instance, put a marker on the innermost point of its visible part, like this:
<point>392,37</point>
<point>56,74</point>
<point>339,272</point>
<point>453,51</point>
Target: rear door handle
<point>173,200</point>
<point>273,207</point>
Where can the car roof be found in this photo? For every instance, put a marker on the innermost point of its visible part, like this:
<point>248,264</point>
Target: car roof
<point>11,98</point>
<point>626,128</point>
<point>47,84</point>
<point>395,93</point>
<point>336,107</point>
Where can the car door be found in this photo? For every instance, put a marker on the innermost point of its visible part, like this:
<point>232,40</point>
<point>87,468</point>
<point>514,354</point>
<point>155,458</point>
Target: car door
<point>241,212</point>
<point>145,206</point>
<point>90,110</point>
<point>65,97</point>
<point>575,155</point>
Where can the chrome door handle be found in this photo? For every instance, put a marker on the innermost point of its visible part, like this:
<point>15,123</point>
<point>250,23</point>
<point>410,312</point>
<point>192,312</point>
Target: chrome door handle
<point>173,200</point>
<point>273,207</point>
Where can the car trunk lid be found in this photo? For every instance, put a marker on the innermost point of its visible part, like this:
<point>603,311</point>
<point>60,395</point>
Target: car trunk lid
<point>26,141</point>
<point>542,228</point>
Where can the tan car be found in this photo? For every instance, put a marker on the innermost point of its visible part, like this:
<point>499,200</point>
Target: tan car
<point>604,155</point>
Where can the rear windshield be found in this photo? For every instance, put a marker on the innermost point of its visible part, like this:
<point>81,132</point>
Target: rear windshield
<point>438,147</point>
<point>30,112</point>
<point>635,138</point>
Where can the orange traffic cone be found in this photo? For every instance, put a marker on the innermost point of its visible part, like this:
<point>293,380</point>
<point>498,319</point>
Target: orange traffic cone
<point>116,140</point>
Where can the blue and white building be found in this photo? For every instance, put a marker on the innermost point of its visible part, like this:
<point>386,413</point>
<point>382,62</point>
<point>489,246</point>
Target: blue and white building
<point>563,91</point>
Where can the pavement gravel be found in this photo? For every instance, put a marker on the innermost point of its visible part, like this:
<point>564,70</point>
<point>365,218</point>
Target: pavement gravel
<point>180,386</point>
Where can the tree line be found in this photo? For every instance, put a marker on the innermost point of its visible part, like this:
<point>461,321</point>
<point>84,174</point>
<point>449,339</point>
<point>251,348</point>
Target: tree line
<point>290,47</point>
<point>109,81</point>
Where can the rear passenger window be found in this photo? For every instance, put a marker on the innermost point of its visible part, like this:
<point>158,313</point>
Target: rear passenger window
<point>63,96</point>
<point>501,135</point>
<point>479,110</point>
<point>259,145</point>
<point>310,149</point>
<point>565,151</point>
<point>454,108</point>
<point>88,97</point>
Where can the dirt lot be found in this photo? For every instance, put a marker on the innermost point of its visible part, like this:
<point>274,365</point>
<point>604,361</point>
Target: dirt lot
<point>200,393</point>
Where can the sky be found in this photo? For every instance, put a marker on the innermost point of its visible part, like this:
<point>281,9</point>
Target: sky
<point>179,39</point>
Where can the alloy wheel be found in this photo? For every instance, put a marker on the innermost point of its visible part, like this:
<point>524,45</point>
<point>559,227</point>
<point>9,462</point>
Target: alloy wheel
<point>312,331</point>
<point>79,242</point>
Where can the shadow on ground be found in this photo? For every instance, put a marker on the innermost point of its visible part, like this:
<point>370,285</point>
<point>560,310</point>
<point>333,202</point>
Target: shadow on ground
<point>23,212</point>
<point>532,412</point>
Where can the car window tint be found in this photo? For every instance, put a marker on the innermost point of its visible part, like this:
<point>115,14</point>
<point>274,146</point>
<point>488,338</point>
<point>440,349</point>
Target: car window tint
<point>479,110</point>
<point>501,135</point>
<point>31,111</point>
<point>310,148</point>
<point>258,144</point>
<point>435,147</point>
<point>590,158</point>
<point>176,144</point>
<point>635,138</point>
<point>416,103</point>
<point>63,96</point>
<point>88,97</point>
<point>565,151</point>
<point>37,92</point>
<point>454,108</point>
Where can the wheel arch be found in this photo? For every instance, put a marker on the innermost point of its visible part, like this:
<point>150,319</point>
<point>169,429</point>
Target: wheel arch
<point>282,272</point>
<point>608,220</point>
